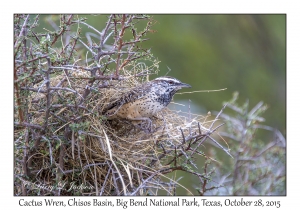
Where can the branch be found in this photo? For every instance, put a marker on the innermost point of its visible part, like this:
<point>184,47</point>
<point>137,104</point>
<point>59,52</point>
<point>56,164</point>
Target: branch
<point>212,124</point>
<point>25,124</point>
<point>89,26</point>
<point>32,60</point>
<point>18,42</point>
<point>46,91</point>
<point>87,47</point>
<point>120,43</point>
<point>61,31</point>
<point>48,94</point>
<point>102,41</point>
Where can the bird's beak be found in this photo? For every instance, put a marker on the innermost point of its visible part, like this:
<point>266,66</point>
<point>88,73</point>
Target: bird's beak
<point>182,85</point>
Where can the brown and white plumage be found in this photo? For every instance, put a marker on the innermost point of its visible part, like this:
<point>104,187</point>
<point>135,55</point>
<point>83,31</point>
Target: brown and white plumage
<point>145,100</point>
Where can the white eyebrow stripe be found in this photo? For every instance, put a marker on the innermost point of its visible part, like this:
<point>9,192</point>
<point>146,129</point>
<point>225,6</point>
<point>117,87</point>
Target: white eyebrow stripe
<point>167,79</point>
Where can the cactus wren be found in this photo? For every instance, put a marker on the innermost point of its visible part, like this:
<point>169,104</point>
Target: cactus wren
<point>145,100</point>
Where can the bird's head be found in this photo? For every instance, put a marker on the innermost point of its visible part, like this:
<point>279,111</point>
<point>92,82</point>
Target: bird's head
<point>171,83</point>
<point>167,87</point>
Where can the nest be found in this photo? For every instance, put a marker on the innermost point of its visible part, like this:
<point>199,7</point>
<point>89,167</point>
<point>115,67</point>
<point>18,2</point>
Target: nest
<point>82,153</point>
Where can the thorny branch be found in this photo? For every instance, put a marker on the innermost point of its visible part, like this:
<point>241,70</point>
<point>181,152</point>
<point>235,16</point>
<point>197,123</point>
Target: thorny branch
<point>201,142</point>
<point>40,57</point>
<point>63,106</point>
<point>187,143</point>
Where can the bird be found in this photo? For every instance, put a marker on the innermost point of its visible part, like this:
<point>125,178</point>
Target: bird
<point>145,100</point>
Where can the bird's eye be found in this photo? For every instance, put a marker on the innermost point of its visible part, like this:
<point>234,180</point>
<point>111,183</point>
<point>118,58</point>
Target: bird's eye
<point>171,82</point>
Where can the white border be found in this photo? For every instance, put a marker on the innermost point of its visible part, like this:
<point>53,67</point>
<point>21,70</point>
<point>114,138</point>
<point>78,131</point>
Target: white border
<point>162,7</point>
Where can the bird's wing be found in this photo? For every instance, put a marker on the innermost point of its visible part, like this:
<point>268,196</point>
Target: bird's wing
<point>131,96</point>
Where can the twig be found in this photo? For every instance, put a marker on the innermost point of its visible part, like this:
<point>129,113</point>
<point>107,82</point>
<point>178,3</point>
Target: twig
<point>26,170</point>
<point>50,149</point>
<point>135,41</point>
<point>46,91</point>
<point>269,146</point>
<point>62,151</point>
<point>105,180</point>
<point>87,47</point>
<point>115,183</point>
<point>73,144</point>
<point>63,29</point>
<point>257,106</point>
<point>225,150</point>
<point>120,44</point>
<point>88,25</point>
<point>212,124</point>
<point>18,99</point>
<point>199,127</point>
<point>144,182</point>
<point>32,60</point>
<point>18,42</point>
<point>48,96</point>
<point>25,124</point>
<point>73,47</point>
<point>102,41</point>
<point>183,138</point>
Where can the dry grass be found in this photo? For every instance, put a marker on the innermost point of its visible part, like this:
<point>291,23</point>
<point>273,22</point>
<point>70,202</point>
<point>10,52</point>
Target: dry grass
<point>63,143</point>
<point>107,157</point>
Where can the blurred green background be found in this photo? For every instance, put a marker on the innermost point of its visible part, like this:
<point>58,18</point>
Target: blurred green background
<point>244,53</point>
